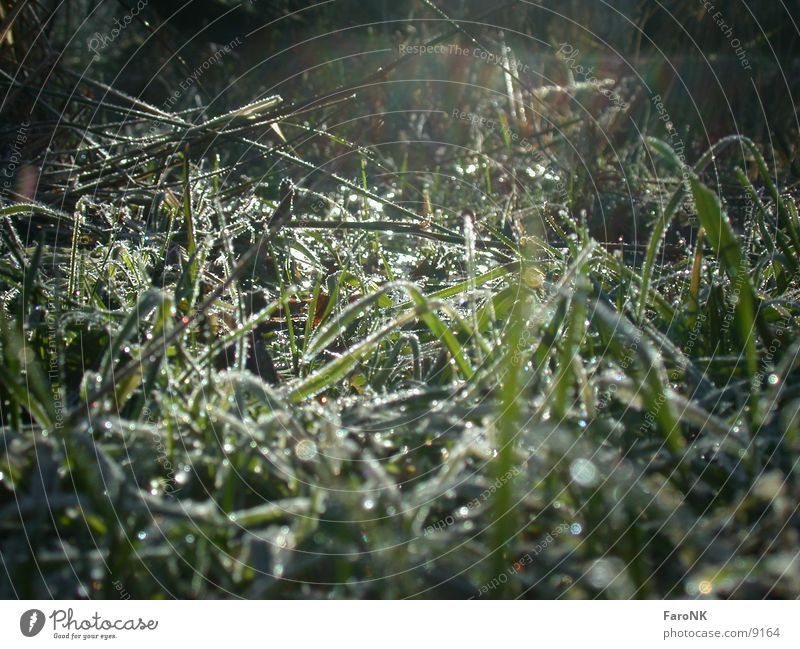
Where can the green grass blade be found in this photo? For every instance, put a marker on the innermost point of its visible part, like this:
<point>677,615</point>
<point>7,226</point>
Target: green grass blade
<point>726,245</point>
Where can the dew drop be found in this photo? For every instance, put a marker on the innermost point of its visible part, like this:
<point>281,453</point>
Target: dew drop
<point>305,450</point>
<point>584,472</point>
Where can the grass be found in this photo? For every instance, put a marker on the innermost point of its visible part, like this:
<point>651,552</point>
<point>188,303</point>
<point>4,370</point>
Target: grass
<point>408,371</point>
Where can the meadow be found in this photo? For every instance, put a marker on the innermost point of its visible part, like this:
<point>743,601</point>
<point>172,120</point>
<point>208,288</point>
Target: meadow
<point>413,299</point>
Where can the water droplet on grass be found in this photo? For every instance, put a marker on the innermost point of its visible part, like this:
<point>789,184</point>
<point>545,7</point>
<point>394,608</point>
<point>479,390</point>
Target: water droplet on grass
<point>305,450</point>
<point>584,472</point>
<point>603,571</point>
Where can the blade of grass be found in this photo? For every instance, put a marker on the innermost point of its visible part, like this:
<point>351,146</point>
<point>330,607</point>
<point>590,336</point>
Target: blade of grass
<point>726,245</point>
